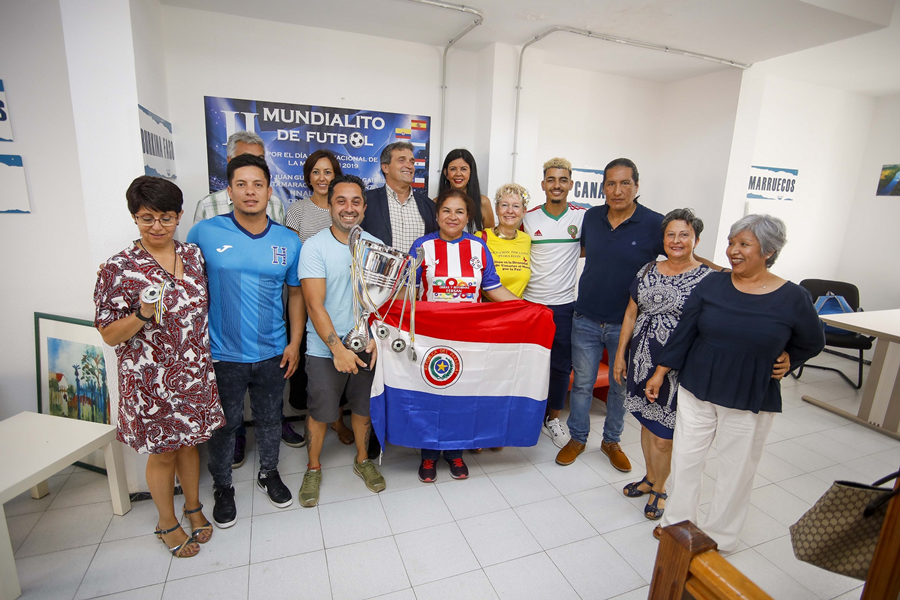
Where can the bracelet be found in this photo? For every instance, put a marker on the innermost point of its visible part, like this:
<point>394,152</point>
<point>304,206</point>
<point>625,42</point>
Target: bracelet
<point>138,314</point>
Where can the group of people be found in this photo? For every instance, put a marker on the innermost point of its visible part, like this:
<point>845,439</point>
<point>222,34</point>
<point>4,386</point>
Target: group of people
<point>694,354</point>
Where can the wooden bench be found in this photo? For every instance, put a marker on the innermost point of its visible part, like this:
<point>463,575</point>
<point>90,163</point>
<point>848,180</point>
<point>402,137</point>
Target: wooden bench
<point>36,446</point>
<point>688,565</point>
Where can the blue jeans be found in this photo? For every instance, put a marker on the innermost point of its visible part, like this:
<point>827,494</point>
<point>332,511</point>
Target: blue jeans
<point>560,356</point>
<point>589,339</point>
<point>265,382</point>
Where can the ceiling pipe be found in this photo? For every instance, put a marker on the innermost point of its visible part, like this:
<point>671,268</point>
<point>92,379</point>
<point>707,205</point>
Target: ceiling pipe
<point>479,18</point>
<point>605,38</point>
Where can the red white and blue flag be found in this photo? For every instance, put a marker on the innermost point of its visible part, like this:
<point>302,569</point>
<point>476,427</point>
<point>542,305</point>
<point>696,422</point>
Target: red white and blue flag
<point>479,381</point>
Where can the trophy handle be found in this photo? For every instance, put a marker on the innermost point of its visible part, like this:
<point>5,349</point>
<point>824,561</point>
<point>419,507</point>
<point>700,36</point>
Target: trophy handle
<point>355,234</point>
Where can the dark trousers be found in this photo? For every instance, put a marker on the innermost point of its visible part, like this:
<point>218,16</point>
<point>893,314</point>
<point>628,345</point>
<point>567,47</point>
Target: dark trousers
<point>560,356</point>
<point>436,454</point>
<point>265,382</point>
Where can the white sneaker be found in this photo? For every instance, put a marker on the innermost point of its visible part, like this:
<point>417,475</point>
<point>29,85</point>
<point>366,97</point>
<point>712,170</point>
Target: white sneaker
<point>554,429</point>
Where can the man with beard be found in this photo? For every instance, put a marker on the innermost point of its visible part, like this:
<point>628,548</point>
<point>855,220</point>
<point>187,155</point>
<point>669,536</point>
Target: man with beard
<point>555,230</point>
<point>332,368</point>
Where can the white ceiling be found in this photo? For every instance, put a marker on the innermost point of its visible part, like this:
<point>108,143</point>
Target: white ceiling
<point>746,31</point>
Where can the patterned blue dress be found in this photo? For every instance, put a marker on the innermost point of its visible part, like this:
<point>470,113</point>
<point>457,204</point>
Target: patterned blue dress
<point>660,299</point>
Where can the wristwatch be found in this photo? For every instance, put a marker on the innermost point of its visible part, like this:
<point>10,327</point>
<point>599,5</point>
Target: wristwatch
<point>138,314</point>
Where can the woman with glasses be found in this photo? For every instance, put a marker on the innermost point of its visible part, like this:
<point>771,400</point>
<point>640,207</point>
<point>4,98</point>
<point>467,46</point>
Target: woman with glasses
<point>168,400</point>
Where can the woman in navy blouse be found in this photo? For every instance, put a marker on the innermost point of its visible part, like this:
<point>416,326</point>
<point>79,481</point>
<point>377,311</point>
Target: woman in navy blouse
<point>733,328</point>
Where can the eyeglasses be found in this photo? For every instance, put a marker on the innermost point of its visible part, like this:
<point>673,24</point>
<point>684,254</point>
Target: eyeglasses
<point>148,221</point>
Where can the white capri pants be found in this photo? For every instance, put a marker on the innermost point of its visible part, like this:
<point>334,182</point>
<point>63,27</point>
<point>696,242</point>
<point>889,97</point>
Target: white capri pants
<point>741,436</point>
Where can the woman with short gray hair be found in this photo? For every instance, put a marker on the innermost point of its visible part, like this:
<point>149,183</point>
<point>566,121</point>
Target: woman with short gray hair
<point>733,328</point>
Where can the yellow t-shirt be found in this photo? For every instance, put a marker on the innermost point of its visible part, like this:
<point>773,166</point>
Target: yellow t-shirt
<point>512,259</point>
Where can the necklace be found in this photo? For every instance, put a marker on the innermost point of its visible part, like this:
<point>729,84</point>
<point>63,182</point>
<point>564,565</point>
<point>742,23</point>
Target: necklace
<point>174,264</point>
<point>496,231</point>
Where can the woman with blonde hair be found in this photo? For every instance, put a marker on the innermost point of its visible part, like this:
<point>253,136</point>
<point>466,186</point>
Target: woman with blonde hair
<point>510,247</point>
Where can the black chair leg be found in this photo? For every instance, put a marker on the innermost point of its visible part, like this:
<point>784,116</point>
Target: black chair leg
<point>860,382</point>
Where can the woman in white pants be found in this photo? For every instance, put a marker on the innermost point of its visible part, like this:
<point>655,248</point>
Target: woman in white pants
<point>733,328</point>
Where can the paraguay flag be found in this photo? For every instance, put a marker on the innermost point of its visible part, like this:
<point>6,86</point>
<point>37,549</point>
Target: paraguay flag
<point>479,380</point>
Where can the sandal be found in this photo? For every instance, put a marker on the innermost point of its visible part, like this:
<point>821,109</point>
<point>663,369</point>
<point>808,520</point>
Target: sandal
<point>652,510</point>
<point>179,550</point>
<point>198,530</point>
<point>344,434</point>
<point>631,490</point>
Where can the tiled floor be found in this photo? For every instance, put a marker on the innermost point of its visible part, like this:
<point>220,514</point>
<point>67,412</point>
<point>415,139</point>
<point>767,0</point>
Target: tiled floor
<point>522,527</point>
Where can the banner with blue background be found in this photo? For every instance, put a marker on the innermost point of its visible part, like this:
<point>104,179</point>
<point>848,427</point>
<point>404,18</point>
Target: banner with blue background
<point>291,132</point>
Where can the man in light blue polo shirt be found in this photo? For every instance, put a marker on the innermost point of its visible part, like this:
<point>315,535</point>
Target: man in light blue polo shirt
<point>249,259</point>
<point>333,369</point>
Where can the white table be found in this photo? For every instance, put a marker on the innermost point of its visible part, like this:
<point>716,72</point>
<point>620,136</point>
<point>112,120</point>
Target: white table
<point>36,446</point>
<point>880,406</point>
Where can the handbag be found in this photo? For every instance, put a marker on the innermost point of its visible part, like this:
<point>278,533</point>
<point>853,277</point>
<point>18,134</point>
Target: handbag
<point>840,531</point>
<point>830,304</point>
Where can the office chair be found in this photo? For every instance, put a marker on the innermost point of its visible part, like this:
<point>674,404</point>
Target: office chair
<point>848,339</point>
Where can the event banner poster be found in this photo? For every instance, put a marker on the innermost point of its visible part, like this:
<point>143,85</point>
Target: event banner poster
<point>772,183</point>
<point>291,132</point>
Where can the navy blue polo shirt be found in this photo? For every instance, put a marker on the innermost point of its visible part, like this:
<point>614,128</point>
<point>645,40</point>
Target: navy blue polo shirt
<point>613,257</point>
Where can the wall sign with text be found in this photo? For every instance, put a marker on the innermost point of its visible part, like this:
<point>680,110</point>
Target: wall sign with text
<point>291,132</point>
<point>772,183</point>
<point>157,144</point>
<point>587,187</point>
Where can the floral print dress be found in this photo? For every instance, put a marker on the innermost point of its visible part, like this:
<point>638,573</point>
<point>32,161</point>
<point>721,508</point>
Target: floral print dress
<point>167,387</point>
<point>660,299</point>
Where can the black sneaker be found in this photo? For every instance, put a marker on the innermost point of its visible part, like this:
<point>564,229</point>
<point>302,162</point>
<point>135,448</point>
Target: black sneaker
<point>225,511</point>
<point>291,437</point>
<point>240,449</point>
<point>427,471</point>
<point>458,468</point>
<point>270,483</point>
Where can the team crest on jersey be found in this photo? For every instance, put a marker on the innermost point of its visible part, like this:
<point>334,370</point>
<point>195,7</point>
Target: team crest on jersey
<point>475,262</point>
<point>279,255</point>
<point>441,367</point>
<point>573,230</point>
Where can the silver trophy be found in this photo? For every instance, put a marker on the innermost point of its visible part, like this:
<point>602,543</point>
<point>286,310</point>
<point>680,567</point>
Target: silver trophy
<point>377,274</point>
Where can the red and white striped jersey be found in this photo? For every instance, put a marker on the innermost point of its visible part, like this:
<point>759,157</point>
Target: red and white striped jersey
<point>454,271</point>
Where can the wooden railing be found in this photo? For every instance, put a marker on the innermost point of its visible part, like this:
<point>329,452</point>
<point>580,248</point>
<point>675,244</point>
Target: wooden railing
<point>687,562</point>
<point>688,565</point>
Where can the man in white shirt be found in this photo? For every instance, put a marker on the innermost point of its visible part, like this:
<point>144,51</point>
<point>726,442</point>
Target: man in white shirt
<point>555,231</point>
<point>218,203</point>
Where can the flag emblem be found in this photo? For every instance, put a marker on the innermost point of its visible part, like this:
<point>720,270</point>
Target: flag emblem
<point>403,134</point>
<point>418,124</point>
<point>442,367</point>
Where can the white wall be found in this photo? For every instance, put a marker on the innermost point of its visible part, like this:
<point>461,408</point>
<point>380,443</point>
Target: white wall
<point>818,130</point>
<point>590,119</point>
<point>212,54</point>
<point>47,265</point>
<point>869,254</point>
<point>695,137</point>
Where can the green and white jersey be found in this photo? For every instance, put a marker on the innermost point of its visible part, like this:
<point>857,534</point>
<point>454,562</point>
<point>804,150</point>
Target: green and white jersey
<point>555,248</point>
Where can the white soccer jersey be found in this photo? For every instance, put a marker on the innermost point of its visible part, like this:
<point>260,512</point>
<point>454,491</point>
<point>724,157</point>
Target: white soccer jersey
<point>555,248</point>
